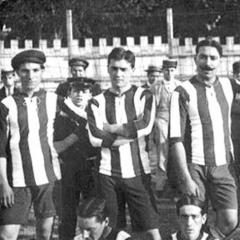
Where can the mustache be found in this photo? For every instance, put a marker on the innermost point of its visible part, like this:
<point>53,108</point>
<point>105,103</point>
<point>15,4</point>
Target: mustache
<point>207,68</point>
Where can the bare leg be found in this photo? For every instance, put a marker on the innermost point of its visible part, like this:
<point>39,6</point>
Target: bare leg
<point>44,228</point>
<point>9,232</point>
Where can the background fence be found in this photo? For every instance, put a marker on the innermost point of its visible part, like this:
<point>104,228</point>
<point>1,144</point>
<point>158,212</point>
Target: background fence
<point>57,57</point>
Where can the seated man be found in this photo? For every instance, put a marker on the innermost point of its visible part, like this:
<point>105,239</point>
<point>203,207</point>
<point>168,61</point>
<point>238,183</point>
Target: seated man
<point>191,212</point>
<point>94,220</point>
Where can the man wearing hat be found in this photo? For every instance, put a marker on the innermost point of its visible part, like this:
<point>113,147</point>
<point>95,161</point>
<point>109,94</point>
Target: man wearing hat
<point>235,115</point>
<point>153,75</point>
<point>77,161</point>
<point>162,92</point>
<point>8,79</point>
<point>78,68</point>
<point>29,164</point>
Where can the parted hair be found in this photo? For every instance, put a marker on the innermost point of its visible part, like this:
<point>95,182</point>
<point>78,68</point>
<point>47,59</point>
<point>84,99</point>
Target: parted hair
<point>191,200</point>
<point>210,43</point>
<point>120,53</point>
<point>94,207</point>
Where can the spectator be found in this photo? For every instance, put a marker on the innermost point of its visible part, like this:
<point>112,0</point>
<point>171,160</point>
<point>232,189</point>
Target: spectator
<point>191,212</point>
<point>153,75</point>
<point>119,119</point>
<point>8,78</point>
<point>94,221</point>
<point>78,68</point>
<point>29,164</point>
<point>163,91</point>
<point>77,160</point>
<point>200,137</point>
<point>235,116</point>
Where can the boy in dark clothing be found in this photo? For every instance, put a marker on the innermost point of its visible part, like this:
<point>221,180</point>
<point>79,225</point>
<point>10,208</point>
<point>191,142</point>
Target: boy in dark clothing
<point>78,160</point>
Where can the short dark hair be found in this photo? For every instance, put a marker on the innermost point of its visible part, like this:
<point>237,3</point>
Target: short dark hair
<point>191,200</point>
<point>120,53</point>
<point>209,43</point>
<point>94,207</point>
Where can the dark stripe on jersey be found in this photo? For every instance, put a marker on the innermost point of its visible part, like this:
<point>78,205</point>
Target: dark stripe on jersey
<point>111,119</point>
<point>131,116</point>
<point>23,144</point>
<point>43,118</point>
<point>207,128</point>
<point>221,98</point>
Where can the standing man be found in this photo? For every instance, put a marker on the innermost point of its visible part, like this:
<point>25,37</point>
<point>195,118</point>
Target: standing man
<point>119,119</point>
<point>191,213</point>
<point>78,68</point>
<point>8,78</point>
<point>78,160</point>
<point>235,116</point>
<point>153,75</point>
<point>29,164</point>
<point>200,137</point>
<point>163,91</point>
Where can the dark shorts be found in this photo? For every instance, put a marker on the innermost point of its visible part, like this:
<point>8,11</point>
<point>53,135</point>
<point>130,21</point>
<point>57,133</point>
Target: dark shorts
<point>216,183</point>
<point>139,197</point>
<point>44,199</point>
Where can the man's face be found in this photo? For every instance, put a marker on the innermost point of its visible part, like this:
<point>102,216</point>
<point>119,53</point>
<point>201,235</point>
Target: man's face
<point>91,228</point>
<point>169,73</point>
<point>153,77</point>
<point>80,97</point>
<point>8,79</point>
<point>78,71</point>
<point>190,221</point>
<point>120,72</point>
<point>207,61</point>
<point>237,76</point>
<point>30,75</point>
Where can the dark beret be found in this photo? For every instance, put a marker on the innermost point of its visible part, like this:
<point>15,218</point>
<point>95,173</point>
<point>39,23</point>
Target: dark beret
<point>81,82</point>
<point>32,56</point>
<point>76,61</point>
<point>169,64</point>
<point>236,67</point>
<point>152,68</point>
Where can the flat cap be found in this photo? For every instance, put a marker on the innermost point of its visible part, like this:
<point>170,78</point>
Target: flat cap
<point>81,82</point>
<point>169,64</point>
<point>236,67</point>
<point>7,69</point>
<point>152,68</point>
<point>32,56</point>
<point>77,61</point>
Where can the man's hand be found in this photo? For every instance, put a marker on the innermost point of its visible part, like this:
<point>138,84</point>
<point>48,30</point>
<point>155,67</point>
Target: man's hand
<point>6,195</point>
<point>190,187</point>
<point>63,145</point>
<point>108,127</point>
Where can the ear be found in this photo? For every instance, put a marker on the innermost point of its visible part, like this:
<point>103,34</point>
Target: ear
<point>106,221</point>
<point>204,218</point>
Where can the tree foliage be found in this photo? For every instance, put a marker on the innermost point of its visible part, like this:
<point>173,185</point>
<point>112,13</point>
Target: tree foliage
<point>46,19</point>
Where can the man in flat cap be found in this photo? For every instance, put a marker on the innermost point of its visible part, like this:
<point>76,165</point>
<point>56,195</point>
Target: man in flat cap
<point>235,115</point>
<point>162,92</point>
<point>77,161</point>
<point>153,75</point>
<point>78,68</point>
<point>29,164</point>
<point>8,78</point>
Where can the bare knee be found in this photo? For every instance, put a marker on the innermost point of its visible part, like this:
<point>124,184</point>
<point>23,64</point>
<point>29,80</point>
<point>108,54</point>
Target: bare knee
<point>9,232</point>
<point>44,228</point>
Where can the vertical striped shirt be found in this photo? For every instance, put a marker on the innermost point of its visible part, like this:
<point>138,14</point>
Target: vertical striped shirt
<point>135,110</point>
<point>26,133</point>
<point>200,118</point>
